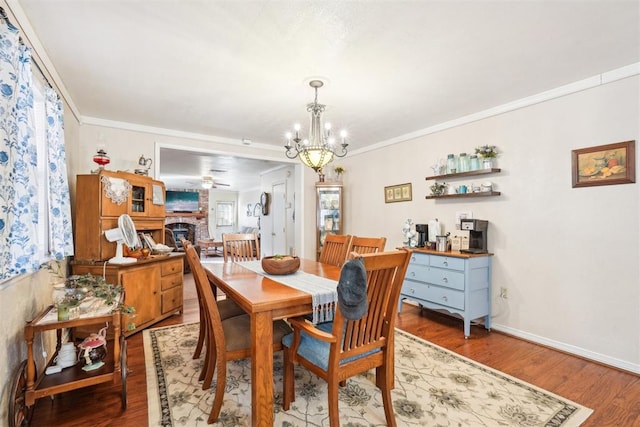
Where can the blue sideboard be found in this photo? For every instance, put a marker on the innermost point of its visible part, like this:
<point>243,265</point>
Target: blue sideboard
<point>456,282</point>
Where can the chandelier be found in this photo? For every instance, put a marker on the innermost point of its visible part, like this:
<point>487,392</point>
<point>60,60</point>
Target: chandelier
<point>321,146</point>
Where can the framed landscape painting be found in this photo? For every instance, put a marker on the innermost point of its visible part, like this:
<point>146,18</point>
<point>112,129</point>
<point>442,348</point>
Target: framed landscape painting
<point>604,165</point>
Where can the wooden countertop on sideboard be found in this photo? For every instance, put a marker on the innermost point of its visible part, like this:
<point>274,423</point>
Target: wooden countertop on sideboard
<point>456,254</point>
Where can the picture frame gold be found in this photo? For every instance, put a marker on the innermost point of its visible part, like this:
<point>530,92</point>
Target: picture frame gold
<point>398,193</point>
<point>607,164</point>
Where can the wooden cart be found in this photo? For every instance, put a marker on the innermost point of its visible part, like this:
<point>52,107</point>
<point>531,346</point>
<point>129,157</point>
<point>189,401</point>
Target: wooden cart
<point>28,386</point>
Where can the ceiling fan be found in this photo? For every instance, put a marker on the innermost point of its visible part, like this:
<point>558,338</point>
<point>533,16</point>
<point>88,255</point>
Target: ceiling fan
<point>208,182</point>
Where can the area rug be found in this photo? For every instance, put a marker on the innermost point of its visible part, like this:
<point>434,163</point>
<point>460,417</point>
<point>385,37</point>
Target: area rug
<point>433,387</point>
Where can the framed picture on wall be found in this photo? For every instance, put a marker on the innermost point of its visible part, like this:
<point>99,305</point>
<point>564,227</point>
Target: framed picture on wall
<point>604,165</point>
<point>397,193</point>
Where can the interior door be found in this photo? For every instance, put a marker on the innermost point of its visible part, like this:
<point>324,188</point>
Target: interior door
<point>279,222</point>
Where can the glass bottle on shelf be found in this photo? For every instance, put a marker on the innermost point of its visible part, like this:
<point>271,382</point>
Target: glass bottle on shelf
<point>474,163</point>
<point>463,163</point>
<point>451,164</point>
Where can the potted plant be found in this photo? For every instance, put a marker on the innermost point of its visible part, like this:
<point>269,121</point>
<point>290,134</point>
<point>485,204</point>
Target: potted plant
<point>339,170</point>
<point>438,189</point>
<point>487,153</point>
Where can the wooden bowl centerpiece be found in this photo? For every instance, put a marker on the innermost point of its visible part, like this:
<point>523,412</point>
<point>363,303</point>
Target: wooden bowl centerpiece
<point>280,264</point>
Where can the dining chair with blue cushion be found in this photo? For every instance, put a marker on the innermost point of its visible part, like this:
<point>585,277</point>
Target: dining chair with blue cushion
<point>338,350</point>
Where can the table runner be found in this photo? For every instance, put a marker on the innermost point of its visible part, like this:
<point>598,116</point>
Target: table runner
<point>323,291</point>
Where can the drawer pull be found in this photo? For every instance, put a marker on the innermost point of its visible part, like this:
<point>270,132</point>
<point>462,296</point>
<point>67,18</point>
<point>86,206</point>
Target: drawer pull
<point>413,291</point>
<point>445,280</point>
<point>413,274</point>
<point>445,263</point>
<point>445,299</point>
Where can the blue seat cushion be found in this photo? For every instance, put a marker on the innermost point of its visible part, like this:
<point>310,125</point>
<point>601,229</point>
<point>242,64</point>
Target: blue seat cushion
<point>317,351</point>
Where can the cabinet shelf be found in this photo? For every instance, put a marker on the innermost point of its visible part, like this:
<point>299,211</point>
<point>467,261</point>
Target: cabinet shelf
<point>459,196</point>
<point>464,174</point>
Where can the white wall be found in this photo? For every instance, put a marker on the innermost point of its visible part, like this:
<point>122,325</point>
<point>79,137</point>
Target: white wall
<point>251,197</point>
<point>569,257</point>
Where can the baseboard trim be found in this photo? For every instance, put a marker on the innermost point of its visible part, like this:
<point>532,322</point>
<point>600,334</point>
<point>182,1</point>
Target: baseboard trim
<point>570,349</point>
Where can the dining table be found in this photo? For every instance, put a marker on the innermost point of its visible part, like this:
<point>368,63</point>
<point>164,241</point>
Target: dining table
<point>265,299</point>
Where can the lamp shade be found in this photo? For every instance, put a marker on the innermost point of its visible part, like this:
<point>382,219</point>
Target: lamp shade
<point>316,158</point>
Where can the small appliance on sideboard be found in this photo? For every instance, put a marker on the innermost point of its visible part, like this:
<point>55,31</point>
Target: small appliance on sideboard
<point>423,234</point>
<point>477,235</point>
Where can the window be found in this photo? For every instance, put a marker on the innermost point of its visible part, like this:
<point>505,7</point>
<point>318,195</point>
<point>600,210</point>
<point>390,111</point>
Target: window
<point>225,214</point>
<point>43,186</point>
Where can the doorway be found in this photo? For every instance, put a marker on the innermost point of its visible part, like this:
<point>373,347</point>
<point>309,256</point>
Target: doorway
<point>279,224</point>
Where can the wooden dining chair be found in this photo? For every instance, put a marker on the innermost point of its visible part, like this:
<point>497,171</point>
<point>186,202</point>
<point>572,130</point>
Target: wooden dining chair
<point>226,307</point>
<point>240,247</point>
<point>366,245</point>
<point>338,350</point>
<point>335,249</point>
<point>227,339</point>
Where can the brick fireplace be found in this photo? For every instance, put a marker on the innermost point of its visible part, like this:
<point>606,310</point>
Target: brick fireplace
<point>192,227</point>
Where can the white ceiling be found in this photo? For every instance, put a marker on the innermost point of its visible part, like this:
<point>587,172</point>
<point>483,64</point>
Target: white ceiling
<point>240,69</point>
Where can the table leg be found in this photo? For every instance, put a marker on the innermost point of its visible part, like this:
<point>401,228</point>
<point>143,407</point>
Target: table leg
<point>261,369</point>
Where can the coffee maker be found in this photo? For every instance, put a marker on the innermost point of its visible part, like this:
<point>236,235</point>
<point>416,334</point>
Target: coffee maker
<point>477,235</point>
<point>423,234</point>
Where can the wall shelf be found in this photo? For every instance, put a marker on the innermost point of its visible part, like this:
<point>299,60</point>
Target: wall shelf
<point>459,196</point>
<point>464,174</point>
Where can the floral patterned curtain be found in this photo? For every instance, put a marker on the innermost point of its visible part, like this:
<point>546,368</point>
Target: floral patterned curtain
<point>18,158</point>
<point>60,230</point>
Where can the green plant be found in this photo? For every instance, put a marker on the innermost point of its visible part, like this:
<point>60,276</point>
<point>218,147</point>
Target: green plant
<point>55,267</point>
<point>99,288</point>
<point>487,151</point>
<point>438,188</point>
<point>339,170</point>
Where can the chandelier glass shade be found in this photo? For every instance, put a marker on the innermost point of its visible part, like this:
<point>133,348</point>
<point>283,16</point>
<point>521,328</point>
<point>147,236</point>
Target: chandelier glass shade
<point>321,147</point>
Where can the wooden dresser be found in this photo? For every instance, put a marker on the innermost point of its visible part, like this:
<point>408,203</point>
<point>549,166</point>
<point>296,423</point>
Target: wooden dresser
<point>153,286</point>
<point>453,281</point>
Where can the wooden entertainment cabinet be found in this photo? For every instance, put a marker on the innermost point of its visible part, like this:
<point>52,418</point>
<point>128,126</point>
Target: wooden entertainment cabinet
<point>153,286</point>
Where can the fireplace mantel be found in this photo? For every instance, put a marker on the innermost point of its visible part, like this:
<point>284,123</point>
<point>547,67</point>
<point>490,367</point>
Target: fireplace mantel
<point>197,215</point>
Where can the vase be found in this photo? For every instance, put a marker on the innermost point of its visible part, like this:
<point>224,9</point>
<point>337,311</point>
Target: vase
<point>321,177</point>
<point>487,163</point>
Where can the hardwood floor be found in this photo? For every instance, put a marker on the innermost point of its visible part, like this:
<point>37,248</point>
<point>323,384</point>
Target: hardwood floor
<point>612,394</point>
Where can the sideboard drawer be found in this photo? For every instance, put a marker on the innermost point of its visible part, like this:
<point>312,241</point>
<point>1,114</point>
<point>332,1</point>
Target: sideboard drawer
<point>447,262</point>
<point>172,266</point>
<point>421,259</point>
<point>171,300</point>
<point>447,278</point>
<point>170,281</point>
<point>417,272</point>
<point>435,294</point>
